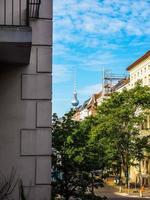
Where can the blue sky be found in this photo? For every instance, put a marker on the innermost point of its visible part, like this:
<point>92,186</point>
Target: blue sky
<point>90,35</point>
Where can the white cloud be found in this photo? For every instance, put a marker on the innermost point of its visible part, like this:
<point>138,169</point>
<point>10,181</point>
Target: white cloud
<point>61,73</point>
<point>87,23</point>
<point>97,60</point>
<point>91,89</point>
<point>100,17</point>
<point>60,49</point>
<point>92,34</point>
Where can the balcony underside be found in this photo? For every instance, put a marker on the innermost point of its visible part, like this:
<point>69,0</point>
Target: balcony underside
<point>15,44</point>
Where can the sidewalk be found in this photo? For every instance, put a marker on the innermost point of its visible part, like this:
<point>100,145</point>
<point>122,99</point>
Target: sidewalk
<point>134,193</point>
<point>112,192</point>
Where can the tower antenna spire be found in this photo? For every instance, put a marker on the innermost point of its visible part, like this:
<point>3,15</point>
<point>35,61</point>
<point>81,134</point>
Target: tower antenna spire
<point>75,101</point>
<point>75,80</point>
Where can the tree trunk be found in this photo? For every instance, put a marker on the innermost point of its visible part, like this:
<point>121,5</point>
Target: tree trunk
<point>120,172</point>
<point>66,196</point>
<point>127,177</point>
<point>92,185</point>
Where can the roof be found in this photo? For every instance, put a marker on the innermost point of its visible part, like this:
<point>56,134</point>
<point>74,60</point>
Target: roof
<point>90,101</point>
<point>120,84</point>
<point>146,55</point>
<point>94,98</point>
<point>98,95</point>
<point>83,106</point>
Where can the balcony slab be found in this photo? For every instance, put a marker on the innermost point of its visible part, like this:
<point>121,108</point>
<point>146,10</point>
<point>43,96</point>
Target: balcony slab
<point>15,44</point>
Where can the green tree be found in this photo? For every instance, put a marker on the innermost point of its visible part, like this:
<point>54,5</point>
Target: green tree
<point>63,168</point>
<point>117,128</point>
<point>75,157</point>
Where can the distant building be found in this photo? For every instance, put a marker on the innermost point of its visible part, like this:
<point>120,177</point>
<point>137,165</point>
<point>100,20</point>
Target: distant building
<point>88,108</point>
<point>121,85</point>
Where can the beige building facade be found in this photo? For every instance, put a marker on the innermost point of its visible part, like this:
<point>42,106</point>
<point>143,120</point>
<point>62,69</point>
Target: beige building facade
<point>25,94</point>
<point>140,71</point>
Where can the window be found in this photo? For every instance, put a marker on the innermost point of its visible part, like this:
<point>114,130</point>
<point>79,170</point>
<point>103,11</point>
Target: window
<point>145,124</point>
<point>145,81</point>
<point>143,163</point>
<point>146,166</point>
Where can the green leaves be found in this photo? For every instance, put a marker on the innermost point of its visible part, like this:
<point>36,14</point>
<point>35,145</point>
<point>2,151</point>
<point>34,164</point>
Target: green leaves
<point>110,140</point>
<point>118,123</point>
<point>76,157</point>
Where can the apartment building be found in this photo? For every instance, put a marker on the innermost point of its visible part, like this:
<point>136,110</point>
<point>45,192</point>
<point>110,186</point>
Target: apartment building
<point>140,70</point>
<point>88,108</point>
<point>25,94</point>
<point>121,85</point>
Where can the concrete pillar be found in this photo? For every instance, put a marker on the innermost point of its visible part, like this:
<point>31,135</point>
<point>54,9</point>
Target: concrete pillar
<point>25,107</point>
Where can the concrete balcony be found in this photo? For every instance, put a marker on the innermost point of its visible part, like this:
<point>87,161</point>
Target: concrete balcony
<point>15,44</point>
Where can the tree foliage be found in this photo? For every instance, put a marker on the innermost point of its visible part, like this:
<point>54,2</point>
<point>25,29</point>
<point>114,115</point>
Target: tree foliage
<point>117,128</point>
<point>109,140</point>
<point>75,157</point>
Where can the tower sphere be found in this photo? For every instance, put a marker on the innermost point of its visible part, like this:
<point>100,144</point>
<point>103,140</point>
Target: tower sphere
<point>75,101</point>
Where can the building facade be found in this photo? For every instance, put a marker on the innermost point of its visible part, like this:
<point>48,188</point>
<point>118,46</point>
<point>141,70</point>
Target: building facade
<point>88,108</point>
<point>25,94</point>
<point>140,70</point>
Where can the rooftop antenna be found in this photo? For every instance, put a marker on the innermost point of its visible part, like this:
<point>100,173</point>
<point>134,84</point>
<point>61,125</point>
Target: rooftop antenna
<point>75,101</point>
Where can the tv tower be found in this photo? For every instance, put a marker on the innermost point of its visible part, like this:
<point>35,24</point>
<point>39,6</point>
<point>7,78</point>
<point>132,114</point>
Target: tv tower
<point>75,101</point>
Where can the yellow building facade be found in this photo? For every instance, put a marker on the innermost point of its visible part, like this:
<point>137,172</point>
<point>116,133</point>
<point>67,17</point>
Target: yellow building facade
<point>140,71</point>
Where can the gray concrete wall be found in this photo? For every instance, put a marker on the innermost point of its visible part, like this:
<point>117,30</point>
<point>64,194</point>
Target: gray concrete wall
<point>25,110</point>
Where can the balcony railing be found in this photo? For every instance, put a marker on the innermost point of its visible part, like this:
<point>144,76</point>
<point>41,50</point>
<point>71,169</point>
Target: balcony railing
<point>34,7</point>
<point>18,12</point>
